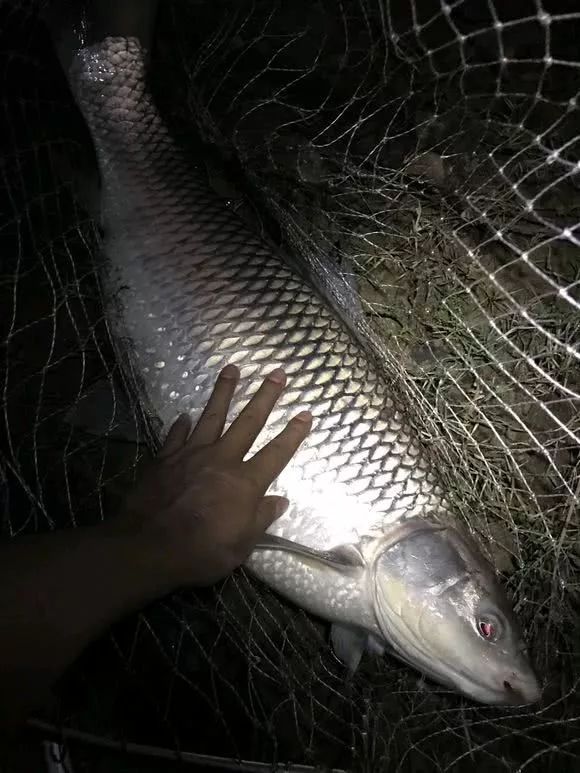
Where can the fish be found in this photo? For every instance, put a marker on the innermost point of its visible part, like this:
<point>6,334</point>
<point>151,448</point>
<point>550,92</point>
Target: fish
<point>367,544</point>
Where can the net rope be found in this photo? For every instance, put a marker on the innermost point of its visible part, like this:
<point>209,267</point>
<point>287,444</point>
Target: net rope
<point>430,154</point>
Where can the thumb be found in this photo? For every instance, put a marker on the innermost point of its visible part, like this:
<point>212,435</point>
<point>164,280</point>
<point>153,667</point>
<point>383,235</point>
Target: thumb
<point>269,509</point>
<point>177,435</point>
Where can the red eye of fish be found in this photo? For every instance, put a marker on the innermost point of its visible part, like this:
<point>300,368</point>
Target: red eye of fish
<point>487,630</point>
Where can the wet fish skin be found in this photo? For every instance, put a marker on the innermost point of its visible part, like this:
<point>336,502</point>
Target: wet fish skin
<point>192,289</point>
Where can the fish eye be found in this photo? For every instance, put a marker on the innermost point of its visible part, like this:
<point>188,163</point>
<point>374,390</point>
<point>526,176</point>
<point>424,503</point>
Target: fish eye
<point>488,628</point>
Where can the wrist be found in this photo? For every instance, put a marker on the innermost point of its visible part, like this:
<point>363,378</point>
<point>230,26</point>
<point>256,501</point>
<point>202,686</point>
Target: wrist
<point>143,548</point>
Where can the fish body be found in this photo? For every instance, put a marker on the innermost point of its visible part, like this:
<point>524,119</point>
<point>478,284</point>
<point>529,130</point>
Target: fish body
<point>190,288</point>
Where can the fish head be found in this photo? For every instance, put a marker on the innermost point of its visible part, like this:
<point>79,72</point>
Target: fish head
<point>440,607</point>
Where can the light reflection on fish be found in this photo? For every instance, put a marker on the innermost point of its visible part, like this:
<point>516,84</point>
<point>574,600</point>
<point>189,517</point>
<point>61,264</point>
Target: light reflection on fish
<point>363,545</point>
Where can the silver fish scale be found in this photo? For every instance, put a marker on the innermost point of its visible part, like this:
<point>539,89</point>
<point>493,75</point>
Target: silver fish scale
<point>194,289</point>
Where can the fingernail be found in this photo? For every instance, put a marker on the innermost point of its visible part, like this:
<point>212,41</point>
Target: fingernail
<point>277,376</point>
<point>230,372</point>
<point>281,506</point>
<point>304,416</point>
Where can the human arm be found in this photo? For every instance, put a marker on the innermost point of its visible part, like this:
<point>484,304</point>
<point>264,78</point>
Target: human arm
<point>193,517</point>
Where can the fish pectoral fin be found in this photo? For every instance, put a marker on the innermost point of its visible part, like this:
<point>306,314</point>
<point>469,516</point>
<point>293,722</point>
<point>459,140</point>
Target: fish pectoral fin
<point>375,645</point>
<point>342,558</point>
<point>348,644</point>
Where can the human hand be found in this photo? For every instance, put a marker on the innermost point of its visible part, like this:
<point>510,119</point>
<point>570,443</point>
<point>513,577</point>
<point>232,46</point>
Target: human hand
<point>202,507</point>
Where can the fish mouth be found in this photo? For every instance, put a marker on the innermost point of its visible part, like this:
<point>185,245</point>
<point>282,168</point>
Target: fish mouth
<point>524,695</point>
<point>515,691</point>
<point>522,691</point>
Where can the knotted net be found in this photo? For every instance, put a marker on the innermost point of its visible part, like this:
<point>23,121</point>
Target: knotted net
<point>431,153</point>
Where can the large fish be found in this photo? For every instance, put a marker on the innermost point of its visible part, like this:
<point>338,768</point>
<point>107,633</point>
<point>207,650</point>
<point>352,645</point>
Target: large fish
<point>363,545</point>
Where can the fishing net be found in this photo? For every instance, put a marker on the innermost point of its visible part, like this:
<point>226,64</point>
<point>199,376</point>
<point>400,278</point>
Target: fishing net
<point>431,153</point>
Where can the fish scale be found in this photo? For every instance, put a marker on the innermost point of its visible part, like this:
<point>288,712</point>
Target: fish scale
<point>192,288</point>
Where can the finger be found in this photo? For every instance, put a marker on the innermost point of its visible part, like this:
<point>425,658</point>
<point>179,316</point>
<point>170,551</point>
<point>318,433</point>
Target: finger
<point>270,460</point>
<point>269,509</point>
<point>211,422</point>
<point>243,431</point>
<point>177,435</point>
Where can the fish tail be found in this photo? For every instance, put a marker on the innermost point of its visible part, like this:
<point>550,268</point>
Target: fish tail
<point>76,24</point>
<point>103,48</point>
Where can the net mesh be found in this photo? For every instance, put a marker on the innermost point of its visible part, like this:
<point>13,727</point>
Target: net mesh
<point>430,152</point>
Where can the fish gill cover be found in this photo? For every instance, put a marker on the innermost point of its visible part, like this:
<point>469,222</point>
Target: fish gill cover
<point>432,151</point>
